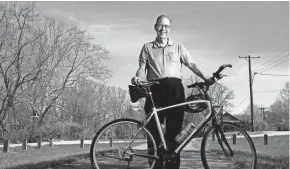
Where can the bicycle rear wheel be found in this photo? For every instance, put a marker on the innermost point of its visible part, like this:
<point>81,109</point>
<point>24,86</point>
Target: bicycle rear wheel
<point>122,143</point>
<point>228,147</point>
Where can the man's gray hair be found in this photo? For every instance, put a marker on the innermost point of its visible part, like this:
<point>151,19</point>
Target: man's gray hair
<point>163,16</point>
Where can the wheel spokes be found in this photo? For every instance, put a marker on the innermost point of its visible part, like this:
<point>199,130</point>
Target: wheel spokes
<point>123,144</point>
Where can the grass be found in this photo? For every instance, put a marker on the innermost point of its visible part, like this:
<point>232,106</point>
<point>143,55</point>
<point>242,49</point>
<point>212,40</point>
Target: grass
<point>275,155</point>
<point>272,162</point>
<point>41,158</point>
<point>51,164</point>
<point>277,146</point>
<point>263,161</point>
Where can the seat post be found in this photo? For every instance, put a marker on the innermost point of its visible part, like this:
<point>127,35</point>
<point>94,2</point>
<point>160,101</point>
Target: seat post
<point>150,94</point>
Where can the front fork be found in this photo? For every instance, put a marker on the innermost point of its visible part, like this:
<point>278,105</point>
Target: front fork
<point>222,139</point>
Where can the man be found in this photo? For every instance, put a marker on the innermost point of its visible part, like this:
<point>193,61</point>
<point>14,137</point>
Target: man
<point>162,59</point>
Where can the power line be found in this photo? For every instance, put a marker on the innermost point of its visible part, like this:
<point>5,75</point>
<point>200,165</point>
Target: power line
<point>273,62</point>
<point>269,74</point>
<point>269,61</point>
<point>282,61</point>
<point>270,64</point>
<point>242,101</point>
<point>269,91</point>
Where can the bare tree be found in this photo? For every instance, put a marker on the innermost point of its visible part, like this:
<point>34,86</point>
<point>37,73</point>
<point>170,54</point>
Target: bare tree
<point>22,38</point>
<point>222,95</point>
<point>219,94</point>
<point>75,59</point>
<point>94,104</point>
<point>278,114</point>
<point>40,59</point>
<point>118,103</point>
<point>259,123</point>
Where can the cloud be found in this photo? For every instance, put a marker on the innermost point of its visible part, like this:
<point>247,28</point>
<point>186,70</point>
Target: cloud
<point>214,34</point>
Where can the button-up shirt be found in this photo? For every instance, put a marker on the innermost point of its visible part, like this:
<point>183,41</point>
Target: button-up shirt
<point>162,62</point>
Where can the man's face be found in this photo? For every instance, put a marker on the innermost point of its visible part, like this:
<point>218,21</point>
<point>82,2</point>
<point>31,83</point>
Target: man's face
<point>163,28</point>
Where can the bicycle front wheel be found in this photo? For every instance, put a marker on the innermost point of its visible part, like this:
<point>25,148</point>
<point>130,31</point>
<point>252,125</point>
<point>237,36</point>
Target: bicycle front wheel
<point>122,143</point>
<point>228,146</point>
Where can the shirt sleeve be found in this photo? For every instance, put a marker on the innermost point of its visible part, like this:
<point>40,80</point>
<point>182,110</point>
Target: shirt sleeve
<point>143,57</point>
<point>186,58</point>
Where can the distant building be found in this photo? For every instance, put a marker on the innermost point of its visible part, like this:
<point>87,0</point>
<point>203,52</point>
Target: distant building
<point>227,117</point>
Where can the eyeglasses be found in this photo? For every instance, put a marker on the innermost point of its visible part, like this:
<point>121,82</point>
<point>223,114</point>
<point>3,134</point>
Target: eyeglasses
<point>165,26</point>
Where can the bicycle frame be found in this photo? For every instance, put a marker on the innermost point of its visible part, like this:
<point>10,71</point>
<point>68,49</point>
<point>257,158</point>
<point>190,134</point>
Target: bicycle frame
<point>205,121</point>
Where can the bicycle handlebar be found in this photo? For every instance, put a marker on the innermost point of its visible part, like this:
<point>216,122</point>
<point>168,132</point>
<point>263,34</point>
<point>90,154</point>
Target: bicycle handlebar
<point>216,75</point>
<point>221,68</point>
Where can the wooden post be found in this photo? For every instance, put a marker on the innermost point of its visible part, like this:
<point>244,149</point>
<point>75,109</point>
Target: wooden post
<point>82,143</point>
<point>51,142</point>
<point>6,146</point>
<point>111,141</point>
<point>234,138</point>
<point>24,144</point>
<point>39,143</point>
<point>265,139</point>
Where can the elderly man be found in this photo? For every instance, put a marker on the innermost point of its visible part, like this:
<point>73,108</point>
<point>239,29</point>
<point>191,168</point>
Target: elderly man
<point>162,59</point>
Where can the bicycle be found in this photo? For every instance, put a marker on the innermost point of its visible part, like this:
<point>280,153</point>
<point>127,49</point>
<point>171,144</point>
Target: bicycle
<point>123,142</point>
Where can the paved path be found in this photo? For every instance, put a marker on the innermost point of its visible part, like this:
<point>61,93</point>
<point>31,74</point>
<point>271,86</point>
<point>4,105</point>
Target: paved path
<point>189,160</point>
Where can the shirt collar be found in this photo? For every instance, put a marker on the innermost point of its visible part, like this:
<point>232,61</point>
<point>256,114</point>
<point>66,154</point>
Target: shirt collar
<point>156,44</point>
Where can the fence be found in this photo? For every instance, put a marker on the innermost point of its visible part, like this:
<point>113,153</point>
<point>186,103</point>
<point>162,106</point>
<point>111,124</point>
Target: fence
<point>24,145</point>
<point>234,138</point>
<point>6,144</point>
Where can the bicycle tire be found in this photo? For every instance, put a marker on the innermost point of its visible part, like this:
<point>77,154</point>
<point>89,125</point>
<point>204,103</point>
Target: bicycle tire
<point>213,156</point>
<point>109,148</point>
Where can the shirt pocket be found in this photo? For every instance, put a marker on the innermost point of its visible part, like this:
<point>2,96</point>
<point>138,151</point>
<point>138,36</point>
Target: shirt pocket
<point>173,57</point>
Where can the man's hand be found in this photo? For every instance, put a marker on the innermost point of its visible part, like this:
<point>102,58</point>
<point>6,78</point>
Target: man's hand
<point>136,80</point>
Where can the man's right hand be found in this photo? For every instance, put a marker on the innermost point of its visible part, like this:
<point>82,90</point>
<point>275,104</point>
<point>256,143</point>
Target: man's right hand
<point>136,80</point>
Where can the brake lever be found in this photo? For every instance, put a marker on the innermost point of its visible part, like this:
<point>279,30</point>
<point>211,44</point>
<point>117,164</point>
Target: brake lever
<point>222,75</point>
<point>219,76</point>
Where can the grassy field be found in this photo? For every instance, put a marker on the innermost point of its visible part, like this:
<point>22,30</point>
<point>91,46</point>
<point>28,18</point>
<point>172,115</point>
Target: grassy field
<point>272,162</point>
<point>58,154</point>
<point>277,146</point>
<point>275,155</point>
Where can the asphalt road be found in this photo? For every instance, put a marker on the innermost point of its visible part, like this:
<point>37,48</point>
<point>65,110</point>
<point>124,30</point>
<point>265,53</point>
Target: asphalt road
<point>189,160</point>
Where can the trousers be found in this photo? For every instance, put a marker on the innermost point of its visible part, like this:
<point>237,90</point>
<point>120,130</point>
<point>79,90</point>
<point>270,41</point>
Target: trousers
<point>170,91</point>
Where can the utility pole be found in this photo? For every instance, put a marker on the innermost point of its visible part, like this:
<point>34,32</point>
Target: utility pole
<point>263,111</point>
<point>249,59</point>
<point>264,117</point>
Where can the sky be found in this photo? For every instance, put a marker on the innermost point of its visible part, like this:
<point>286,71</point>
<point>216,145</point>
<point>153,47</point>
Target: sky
<point>214,33</point>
